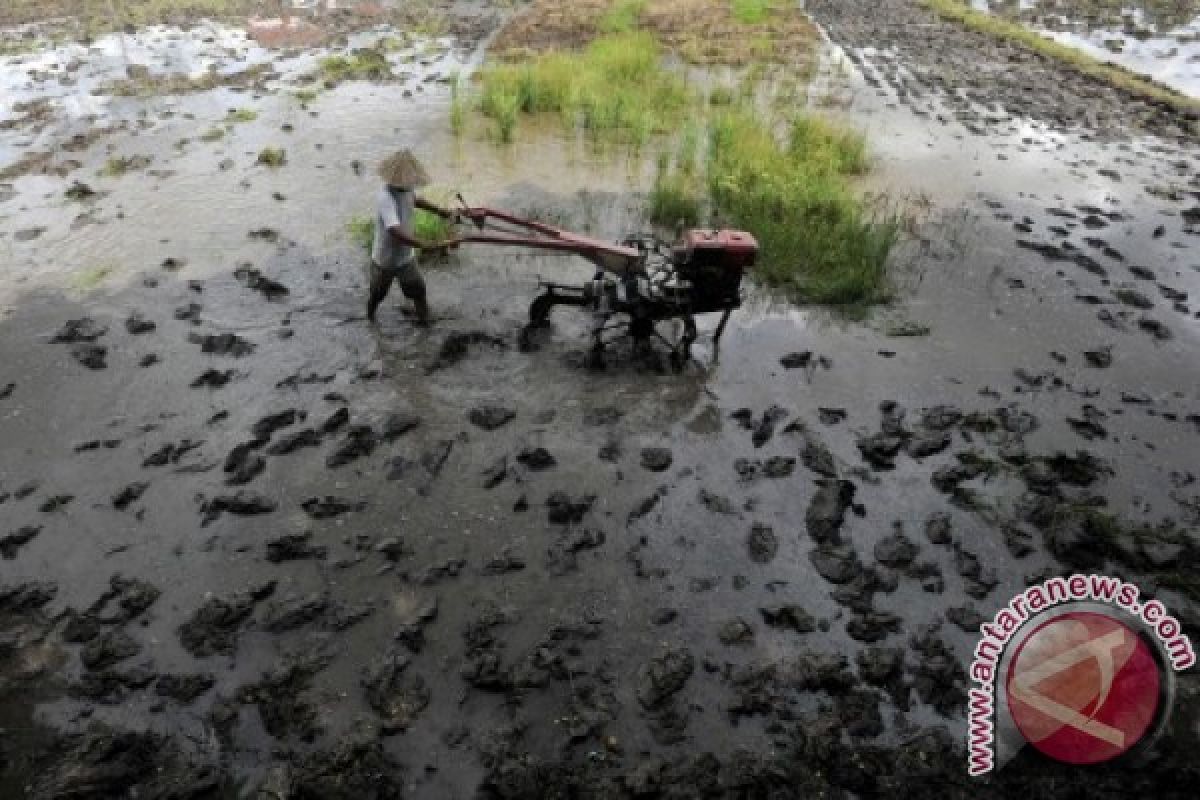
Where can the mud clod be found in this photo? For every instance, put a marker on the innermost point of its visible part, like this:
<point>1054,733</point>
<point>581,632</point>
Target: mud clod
<point>360,441</point>
<point>241,504</point>
<point>184,688</point>
<point>213,628</point>
<point>490,417</point>
<point>396,695</point>
<point>76,331</point>
<point>92,356</point>
<point>664,676</point>
<point>294,547</point>
<point>656,459</point>
<point>108,649</point>
<point>12,542</point>
<point>762,544</point>
<point>129,495</point>
<point>789,616</point>
<point>827,509</point>
<point>223,344</point>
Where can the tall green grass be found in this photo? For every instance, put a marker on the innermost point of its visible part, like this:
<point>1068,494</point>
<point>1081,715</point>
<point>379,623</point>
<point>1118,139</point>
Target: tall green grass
<point>361,230</point>
<point>622,17</point>
<point>676,197</point>
<point>458,110</point>
<point>788,180</point>
<point>819,240</point>
<point>616,90</point>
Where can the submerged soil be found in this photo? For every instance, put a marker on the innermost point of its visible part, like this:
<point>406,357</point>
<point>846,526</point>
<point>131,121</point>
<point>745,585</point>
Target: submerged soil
<point>255,546</point>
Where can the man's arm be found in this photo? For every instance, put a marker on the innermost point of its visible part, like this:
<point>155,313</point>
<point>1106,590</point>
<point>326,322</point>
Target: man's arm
<point>399,234</point>
<point>456,216</point>
<point>425,205</point>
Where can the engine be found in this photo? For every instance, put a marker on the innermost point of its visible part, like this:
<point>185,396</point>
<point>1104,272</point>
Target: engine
<point>710,265</point>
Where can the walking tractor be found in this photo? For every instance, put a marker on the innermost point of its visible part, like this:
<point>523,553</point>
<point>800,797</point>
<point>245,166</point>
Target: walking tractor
<point>639,281</point>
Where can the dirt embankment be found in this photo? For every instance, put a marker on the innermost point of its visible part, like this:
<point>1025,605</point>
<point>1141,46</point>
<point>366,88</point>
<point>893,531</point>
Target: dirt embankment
<point>700,31</point>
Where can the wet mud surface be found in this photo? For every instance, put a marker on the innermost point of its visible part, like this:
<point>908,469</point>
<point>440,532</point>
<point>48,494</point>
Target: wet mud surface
<point>1158,38</point>
<point>253,546</point>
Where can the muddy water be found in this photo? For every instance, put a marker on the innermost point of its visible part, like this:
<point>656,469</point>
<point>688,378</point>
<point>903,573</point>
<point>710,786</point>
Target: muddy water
<point>1157,39</point>
<point>567,616</point>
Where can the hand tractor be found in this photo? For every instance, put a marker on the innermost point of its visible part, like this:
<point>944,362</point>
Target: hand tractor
<point>641,280</point>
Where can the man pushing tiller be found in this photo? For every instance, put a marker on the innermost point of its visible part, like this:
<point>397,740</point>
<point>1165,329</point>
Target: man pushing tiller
<point>393,256</point>
<point>640,280</point>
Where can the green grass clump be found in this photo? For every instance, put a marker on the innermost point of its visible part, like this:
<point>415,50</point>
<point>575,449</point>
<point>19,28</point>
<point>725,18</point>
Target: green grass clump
<point>272,157</point>
<point>1000,28</point>
<point>617,89</point>
<point>431,228</point>
<point>501,102</point>
<point>721,96</point>
<point>362,64</point>
<point>458,109</point>
<point>817,237</point>
<point>675,199</point>
<point>241,115</point>
<point>305,96</point>
<point>212,135</point>
<point>115,167</point>
<point>427,227</point>
<point>91,277</point>
<point>622,17</point>
<point>837,149</point>
<point>361,230</point>
<point>751,12</point>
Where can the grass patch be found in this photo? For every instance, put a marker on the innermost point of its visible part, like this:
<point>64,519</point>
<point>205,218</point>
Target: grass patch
<point>819,239</point>
<point>1000,28</point>
<point>732,32</point>
<point>721,96</point>
<point>362,64</point>
<point>752,12</point>
<point>786,177</point>
<point>92,277</point>
<point>305,96</point>
<point>117,166</point>
<point>272,157</point>
<point>429,227</point>
<point>623,17</point>
<point>458,108</point>
<point>675,199</point>
<point>616,89</point>
<point>212,135</point>
<point>361,230</point>
<point>241,115</point>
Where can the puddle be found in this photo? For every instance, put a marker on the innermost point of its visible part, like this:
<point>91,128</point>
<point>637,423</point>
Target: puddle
<point>1154,38</point>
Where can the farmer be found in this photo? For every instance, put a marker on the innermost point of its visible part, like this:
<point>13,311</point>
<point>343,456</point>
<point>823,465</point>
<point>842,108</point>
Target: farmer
<point>392,253</point>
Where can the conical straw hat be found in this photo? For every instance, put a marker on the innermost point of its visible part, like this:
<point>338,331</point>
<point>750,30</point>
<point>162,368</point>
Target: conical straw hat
<point>402,170</point>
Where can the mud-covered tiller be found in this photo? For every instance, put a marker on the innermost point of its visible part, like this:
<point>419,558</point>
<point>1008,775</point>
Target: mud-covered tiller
<point>640,277</point>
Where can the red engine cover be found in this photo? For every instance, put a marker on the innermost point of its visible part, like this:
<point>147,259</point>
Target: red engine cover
<point>732,248</point>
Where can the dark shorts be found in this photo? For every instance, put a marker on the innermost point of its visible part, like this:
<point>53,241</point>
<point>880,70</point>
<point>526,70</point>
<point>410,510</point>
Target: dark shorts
<point>412,283</point>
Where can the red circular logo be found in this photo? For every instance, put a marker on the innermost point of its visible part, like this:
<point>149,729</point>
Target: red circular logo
<point>1083,688</point>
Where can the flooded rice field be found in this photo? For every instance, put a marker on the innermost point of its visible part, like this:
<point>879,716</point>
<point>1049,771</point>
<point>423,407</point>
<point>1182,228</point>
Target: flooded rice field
<point>254,546</point>
<point>1156,38</point>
